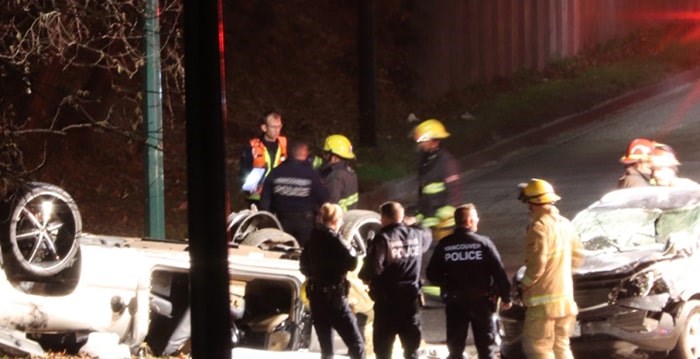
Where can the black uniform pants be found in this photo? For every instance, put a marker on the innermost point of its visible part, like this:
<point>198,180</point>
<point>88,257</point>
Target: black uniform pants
<point>397,316</point>
<point>462,310</point>
<point>298,224</point>
<point>330,309</point>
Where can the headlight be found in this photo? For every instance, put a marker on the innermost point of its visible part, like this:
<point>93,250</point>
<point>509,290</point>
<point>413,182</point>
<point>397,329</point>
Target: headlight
<point>641,284</point>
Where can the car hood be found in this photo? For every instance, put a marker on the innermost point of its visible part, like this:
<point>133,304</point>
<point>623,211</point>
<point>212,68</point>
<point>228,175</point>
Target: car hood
<point>618,262</point>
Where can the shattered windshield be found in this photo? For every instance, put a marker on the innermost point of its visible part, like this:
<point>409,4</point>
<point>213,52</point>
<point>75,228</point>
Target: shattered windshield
<point>606,227</point>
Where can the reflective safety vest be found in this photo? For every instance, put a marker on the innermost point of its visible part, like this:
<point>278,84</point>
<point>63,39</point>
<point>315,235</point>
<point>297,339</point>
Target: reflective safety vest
<point>262,159</point>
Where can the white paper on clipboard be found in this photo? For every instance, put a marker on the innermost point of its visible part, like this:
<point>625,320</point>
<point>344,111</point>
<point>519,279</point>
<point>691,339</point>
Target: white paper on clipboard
<point>253,179</point>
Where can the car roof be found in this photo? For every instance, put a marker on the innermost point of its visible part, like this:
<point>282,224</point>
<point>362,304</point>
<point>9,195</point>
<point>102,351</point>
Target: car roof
<point>663,198</point>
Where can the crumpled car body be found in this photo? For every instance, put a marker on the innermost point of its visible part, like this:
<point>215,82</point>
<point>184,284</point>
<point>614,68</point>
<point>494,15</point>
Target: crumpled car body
<point>639,281</point>
<point>61,285</point>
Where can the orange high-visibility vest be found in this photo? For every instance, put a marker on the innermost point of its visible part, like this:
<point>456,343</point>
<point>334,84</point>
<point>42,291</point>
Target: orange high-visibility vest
<point>262,159</point>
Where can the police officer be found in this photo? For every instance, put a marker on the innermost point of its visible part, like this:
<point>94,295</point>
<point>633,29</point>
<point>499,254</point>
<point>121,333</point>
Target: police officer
<point>391,269</point>
<point>439,183</point>
<point>467,267</point>
<point>266,151</point>
<point>293,192</point>
<point>337,173</point>
<point>325,261</point>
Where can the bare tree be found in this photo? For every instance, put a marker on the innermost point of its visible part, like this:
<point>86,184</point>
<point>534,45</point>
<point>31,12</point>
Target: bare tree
<point>67,64</point>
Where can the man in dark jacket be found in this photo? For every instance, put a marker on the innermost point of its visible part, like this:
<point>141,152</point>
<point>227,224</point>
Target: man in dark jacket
<point>392,270</point>
<point>337,173</point>
<point>439,184</point>
<point>293,192</point>
<point>467,267</point>
<point>264,152</point>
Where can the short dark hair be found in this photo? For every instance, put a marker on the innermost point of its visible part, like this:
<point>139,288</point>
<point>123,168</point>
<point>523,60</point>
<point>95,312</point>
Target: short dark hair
<point>462,214</point>
<point>296,149</point>
<point>392,210</point>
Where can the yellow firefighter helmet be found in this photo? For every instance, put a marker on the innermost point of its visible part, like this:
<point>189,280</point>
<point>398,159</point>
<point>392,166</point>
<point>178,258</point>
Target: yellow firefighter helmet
<point>430,130</point>
<point>339,145</point>
<point>537,191</point>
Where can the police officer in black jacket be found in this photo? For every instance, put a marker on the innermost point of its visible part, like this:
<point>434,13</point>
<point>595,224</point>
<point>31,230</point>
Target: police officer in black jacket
<point>468,268</point>
<point>293,192</point>
<point>325,261</point>
<point>392,271</point>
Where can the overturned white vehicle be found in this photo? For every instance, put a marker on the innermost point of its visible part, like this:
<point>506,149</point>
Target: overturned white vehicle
<point>60,285</point>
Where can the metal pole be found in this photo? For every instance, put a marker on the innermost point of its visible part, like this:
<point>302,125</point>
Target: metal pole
<point>155,202</point>
<point>367,88</point>
<point>206,180</point>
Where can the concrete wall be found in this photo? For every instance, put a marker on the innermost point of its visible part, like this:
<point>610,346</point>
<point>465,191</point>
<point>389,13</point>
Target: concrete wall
<point>462,42</point>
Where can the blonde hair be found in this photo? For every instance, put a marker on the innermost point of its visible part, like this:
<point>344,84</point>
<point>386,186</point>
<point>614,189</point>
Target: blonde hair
<point>331,213</point>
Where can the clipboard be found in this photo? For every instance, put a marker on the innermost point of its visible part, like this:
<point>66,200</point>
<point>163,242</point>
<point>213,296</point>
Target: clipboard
<point>253,179</point>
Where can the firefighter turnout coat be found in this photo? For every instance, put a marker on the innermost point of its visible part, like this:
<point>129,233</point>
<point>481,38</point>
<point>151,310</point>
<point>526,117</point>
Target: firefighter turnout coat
<point>552,249</point>
<point>439,187</point>
<point>341,180</point>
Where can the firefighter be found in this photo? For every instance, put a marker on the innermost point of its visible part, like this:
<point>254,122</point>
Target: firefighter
<point>664,168</point>
<point>637,163</point>
<point>552,250</point>
<point>466,266</point>
<point>392,271</point>
<point>294,193</point>
<point>337,173</point>
<point>326,260</point>
<point>266,151</point>
<point>439,185</point>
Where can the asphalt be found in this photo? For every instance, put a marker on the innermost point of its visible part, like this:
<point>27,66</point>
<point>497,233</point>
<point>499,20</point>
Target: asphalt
<point>404,189</point>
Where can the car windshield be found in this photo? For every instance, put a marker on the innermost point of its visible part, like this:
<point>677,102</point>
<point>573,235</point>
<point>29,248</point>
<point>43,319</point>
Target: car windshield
<point>630,219</point>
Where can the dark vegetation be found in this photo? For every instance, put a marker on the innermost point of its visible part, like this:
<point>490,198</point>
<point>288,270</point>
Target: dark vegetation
<point>298,57</point>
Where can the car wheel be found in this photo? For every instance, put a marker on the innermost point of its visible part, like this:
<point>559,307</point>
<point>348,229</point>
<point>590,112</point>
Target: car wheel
<point>359,227</point>
<point>688,345</point>
<point>268,238</point>
<point>253,221</point>
<point>41,231</point>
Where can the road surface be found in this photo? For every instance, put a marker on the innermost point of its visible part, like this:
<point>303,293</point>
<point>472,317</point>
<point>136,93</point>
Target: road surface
<point>582,164</point>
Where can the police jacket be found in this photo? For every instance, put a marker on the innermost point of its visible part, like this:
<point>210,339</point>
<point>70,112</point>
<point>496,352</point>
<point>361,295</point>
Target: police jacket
<point>439,185</point>
<point>392,264</point>
<point>326,259</point>
<point>633,178</point>
<point>552,250</point>
<point>467,262</point>
<point>293,186</point>
<point>341,180</point>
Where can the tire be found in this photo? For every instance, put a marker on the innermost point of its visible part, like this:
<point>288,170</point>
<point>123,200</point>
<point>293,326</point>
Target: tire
<point>235,218</point>
<point>252,221</point>
<point>688,345</point>
<point>268,238</point>
<point>360,226</point>
<point>39,241</point>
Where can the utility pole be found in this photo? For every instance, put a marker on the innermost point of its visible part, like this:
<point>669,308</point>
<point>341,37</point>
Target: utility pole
<point>206,179</point>
<point>367,88</point>
<point>153,112</point>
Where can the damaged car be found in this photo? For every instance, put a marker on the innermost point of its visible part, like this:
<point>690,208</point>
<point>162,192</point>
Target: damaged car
<point>63,288</point>
<point>638,283</point>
